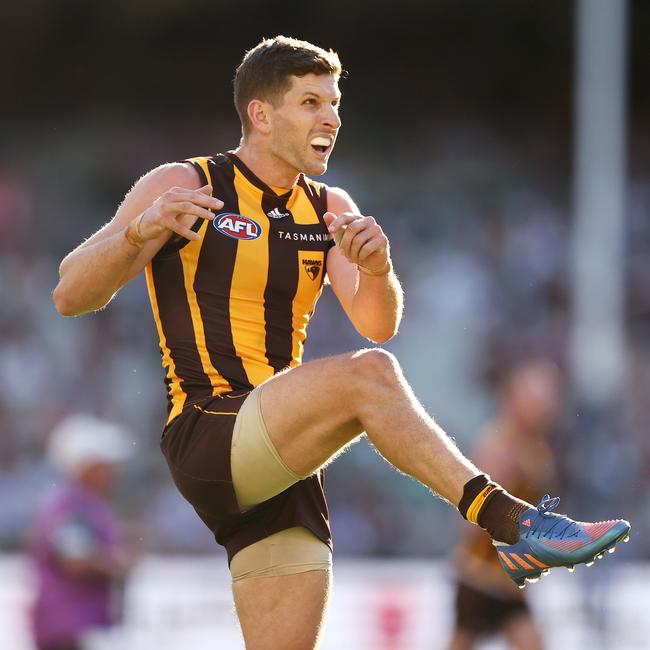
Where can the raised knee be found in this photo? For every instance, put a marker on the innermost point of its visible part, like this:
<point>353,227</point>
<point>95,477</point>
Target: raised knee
<point>376,365</point>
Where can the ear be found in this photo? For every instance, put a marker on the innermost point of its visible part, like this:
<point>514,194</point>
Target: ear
<point>259,114</point>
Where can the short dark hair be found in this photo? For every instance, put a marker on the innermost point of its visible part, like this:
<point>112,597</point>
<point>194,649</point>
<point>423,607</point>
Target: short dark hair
<point>265,71</point>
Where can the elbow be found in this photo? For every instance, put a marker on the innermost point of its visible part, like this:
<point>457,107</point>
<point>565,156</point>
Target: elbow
<point>69,305</point>
<point>62,302</point>
<point>379,333</point>
<point>382,333</point>
<point>381,340</point>
<point>379,329</point>
<point>380,336</point>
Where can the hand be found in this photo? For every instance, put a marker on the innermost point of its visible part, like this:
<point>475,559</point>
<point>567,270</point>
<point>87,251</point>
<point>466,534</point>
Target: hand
<point>171,210</point>
<point>360,239</point>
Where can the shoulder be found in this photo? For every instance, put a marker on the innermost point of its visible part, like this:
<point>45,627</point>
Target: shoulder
<point>339,201</point>
<point>166,177</point>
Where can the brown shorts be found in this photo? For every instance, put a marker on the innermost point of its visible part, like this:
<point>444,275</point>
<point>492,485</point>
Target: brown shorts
<point>482,613</point>
<point>197,447</point>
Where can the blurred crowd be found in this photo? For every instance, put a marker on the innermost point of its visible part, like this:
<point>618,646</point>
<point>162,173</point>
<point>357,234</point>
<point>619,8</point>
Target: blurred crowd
<point>481,239</point>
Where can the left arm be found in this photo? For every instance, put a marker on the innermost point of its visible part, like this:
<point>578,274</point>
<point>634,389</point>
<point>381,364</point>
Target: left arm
<point>360,270</point>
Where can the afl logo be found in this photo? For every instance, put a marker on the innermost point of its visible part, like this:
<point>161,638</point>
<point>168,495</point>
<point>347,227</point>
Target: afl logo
<point>237,226</point>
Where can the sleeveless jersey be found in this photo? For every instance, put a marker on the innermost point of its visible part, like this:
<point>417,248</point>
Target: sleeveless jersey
<point>232,308</point>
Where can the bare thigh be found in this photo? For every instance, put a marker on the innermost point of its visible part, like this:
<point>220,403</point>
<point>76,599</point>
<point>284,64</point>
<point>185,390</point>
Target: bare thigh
<point>311,411</point>
<point>283,612</point>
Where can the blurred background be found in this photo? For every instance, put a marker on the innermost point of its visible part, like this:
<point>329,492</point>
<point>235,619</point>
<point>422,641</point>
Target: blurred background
<point>505,149</point>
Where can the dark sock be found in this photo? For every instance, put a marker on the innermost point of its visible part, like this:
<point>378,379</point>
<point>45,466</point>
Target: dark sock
<point>487,504</point>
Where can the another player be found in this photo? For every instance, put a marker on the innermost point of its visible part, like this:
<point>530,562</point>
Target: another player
<point>514,447</point>
<point>236,248</point>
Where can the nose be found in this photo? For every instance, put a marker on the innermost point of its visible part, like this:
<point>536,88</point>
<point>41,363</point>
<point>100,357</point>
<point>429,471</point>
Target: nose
<point>331,118</point>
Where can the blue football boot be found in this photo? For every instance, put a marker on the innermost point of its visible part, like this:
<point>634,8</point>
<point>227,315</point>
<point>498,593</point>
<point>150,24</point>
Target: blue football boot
<point>548,540</point>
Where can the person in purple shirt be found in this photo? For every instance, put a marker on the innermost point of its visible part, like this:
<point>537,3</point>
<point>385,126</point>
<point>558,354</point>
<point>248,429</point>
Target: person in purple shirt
<point>76,547</point>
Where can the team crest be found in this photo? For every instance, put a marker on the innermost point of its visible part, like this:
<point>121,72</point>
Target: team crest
<point>312,267</point>
<point>237,226</point>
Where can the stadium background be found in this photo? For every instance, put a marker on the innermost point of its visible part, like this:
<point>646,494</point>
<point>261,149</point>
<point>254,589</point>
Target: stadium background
<point>458,136</point>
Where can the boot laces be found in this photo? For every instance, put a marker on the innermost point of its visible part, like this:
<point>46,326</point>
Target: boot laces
<point>565,526</point>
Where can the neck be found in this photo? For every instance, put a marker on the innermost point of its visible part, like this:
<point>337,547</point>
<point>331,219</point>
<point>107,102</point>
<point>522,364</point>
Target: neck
<point>266,166</point>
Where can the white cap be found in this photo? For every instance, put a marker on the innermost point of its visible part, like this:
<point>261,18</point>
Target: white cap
<point>79,440</point>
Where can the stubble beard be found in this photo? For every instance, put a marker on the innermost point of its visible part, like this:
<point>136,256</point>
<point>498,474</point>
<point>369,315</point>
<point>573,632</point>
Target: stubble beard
<point>296,153</point>
<point>299,160</point>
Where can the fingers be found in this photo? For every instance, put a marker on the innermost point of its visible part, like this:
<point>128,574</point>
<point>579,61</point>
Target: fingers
<point>357,240</point>
<point>329,218</point>
<point>356,236</point>
<point>337,225</point>
<point>183,231</point>
<point>185,207</point>
<point>177,209</point>
<point>372,246</point>
<point>201,197</point>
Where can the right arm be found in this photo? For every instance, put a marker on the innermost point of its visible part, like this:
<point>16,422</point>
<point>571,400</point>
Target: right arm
<point>164,202</point>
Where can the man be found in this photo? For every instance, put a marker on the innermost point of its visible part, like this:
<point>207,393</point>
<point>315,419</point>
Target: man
<point>76,547</point>
<point>515,449</point>
<point>236,248</point>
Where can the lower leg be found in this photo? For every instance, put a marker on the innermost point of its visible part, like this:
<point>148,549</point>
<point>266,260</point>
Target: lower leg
<point>424,451</point>
<point>411,440</point>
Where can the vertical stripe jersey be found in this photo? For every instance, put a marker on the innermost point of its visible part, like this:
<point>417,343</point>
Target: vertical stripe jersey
<point>232,308</point>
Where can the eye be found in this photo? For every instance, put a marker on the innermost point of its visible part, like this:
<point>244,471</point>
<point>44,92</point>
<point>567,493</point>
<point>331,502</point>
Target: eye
<point>311,101</point>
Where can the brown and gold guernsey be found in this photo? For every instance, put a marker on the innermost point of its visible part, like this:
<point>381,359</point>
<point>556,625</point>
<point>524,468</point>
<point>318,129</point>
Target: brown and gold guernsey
<point>232,308</point>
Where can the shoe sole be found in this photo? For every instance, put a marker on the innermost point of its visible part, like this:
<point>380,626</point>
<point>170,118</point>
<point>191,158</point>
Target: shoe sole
<point>535,576</point>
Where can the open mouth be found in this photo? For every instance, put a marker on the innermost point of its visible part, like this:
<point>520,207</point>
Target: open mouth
<point>321,144</point>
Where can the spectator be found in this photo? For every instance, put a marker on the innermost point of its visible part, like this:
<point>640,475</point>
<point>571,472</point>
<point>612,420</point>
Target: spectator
<point>76,547</point>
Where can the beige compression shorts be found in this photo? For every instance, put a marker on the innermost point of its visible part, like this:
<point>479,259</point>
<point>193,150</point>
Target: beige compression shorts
<point>258,473</point>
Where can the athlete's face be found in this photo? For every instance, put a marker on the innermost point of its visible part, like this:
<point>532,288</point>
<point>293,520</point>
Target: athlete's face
<point>304,126</point>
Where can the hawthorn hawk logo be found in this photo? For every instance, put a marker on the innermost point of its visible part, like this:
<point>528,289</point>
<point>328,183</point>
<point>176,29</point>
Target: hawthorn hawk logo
<point>237,226</point>
<point>312,267</point>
